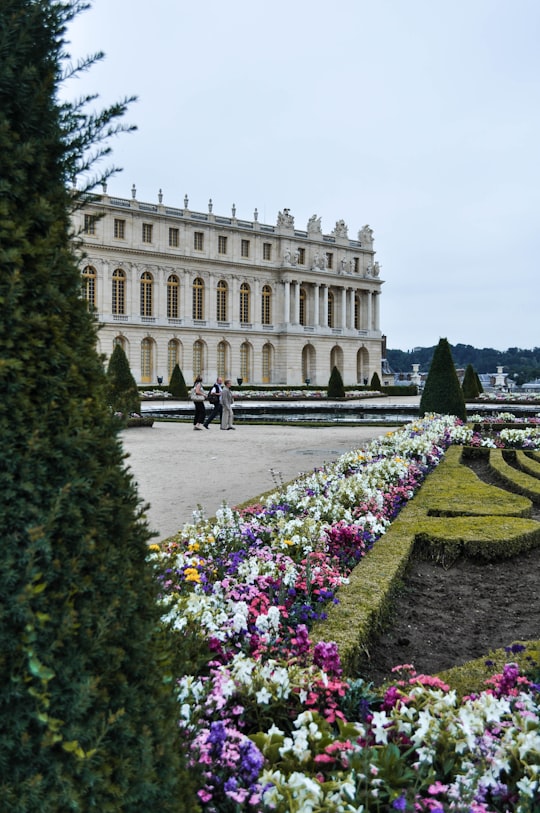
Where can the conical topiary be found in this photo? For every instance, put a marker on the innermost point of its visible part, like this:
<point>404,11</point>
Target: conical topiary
<point>122,390</point>
<point>375,383</point>
<point>177,384</point>
<point>442,392</point>
<point>87,698</point>
<point>335,385</point>
<point>469,384</point>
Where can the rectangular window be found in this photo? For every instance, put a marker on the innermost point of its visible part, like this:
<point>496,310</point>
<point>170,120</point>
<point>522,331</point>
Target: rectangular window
<point>356,265</point>
<point>147,232</point>
<point>174,238</point>
<point>119,229</point>
<point>90,224</point>
<point>244,249</point>
<point>198,240</point>
<point>301,256</point>
<point>222,245</point>
<point>267,251</point>
<point>330,260</point>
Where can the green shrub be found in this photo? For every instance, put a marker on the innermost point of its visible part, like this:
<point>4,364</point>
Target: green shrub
<point>335,385</point>
<point>442,392</point>
<point>87,699</point>
<point>177,384</point>
<point>122,390</point>
<point>375,383</point>
<point>470,384</point>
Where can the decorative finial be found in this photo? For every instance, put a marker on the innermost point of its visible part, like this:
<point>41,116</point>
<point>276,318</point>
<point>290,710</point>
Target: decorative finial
<point>104,187</point>
<point>133,192</point>
<point>160,196</point>
<point>255,215</point>
<point>186,201</point>
<point>210,204</point>
<point>233,210</point>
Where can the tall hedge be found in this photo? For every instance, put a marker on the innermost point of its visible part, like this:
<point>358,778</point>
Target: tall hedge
<point>442,392</point>
<point>122,391</point>
<point>177,384</point>
<point>86,693</point>
<point>335,388</point>
<point>375,383</point>
<point>470,384</point>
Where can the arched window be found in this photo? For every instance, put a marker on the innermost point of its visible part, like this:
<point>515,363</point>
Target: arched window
<point>245,361</point>
<point>308,363</point>
<point>336,359</point>
<point>198,298</point>
<point>222,359</point>
<point>89,286</point>
<point>221,301</point>
<point>267,361</point>
<point>245,304</point>
<point>119,292</point>
<point>147,281</point>
<point>147,360</point>
<point>121,340</point>
<point>173,355</point>
<point>302,309</point>
<point>330,309</point>
<point>362,366</point>
<point>266,305</point>
<point>198,358</point>
<point>173,288</point>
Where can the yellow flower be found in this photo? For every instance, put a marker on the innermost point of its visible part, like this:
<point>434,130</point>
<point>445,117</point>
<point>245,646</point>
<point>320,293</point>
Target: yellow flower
<point>288,542</point>
<point>191,574</point>
<point>210,538</point>
<point>194,546</point>
<point>154,547</point>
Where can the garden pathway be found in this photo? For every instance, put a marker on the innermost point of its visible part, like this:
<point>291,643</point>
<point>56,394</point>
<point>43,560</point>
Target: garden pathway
<point>177,469</point>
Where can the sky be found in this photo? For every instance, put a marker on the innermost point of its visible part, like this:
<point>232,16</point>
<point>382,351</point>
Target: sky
<point>418,117</point>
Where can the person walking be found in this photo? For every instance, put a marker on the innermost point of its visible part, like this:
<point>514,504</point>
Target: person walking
<point>198,396</point>
<point>227,405</point>
<point>214,396</point>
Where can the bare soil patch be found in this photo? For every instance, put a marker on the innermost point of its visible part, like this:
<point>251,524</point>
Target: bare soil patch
<point>445,617</point>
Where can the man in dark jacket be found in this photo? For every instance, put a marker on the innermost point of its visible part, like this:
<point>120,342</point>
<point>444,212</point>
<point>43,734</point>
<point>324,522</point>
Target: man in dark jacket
<point>214,396</point>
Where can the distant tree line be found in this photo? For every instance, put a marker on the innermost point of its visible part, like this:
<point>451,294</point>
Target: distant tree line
<point>522,365</point>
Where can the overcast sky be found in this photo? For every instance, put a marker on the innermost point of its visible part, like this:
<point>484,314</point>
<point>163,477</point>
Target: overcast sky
<point>419,117</point>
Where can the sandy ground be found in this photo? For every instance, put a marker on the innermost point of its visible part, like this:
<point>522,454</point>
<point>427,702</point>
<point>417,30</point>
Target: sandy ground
<point>177,469</point>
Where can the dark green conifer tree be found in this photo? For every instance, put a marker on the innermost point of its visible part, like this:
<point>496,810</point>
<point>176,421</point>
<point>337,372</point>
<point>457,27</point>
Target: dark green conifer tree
<point>479,384</point>
<point>122,390</point>
<point>177,384</point>
<point>375,383</point>
<point>86,692</point>
<point>442,392</point>
<point>469,384</point>
<point>335,385</point>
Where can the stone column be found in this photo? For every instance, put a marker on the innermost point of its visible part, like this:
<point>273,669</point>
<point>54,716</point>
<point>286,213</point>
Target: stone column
<point>369,311</point>
<point>286,302</point>
<point>343,307</point>
<point>316,297</point>
<point>324,289</point>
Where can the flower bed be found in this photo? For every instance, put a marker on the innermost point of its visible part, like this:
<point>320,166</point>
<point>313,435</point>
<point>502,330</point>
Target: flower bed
<point>271,722</point>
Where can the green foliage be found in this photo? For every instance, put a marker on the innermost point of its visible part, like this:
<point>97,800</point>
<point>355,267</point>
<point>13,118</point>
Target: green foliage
<point>469,384</point>
<point>375,383</point>
<point>87,700</point>
<point>524,364</point>
<point>177,384</point>
<point>335,384</point>
<point>122,390</point>
<point>442,392</point>
<point>479,384</point>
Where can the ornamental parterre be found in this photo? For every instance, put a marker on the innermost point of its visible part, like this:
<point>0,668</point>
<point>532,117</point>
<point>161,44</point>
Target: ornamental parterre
<point>270,722</point>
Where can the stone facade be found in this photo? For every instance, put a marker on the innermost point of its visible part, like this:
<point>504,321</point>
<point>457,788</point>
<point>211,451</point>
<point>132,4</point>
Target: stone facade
<point>269,304</point>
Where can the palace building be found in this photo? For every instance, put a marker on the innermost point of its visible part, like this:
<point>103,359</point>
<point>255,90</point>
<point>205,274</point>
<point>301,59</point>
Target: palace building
<point>268,304</point>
